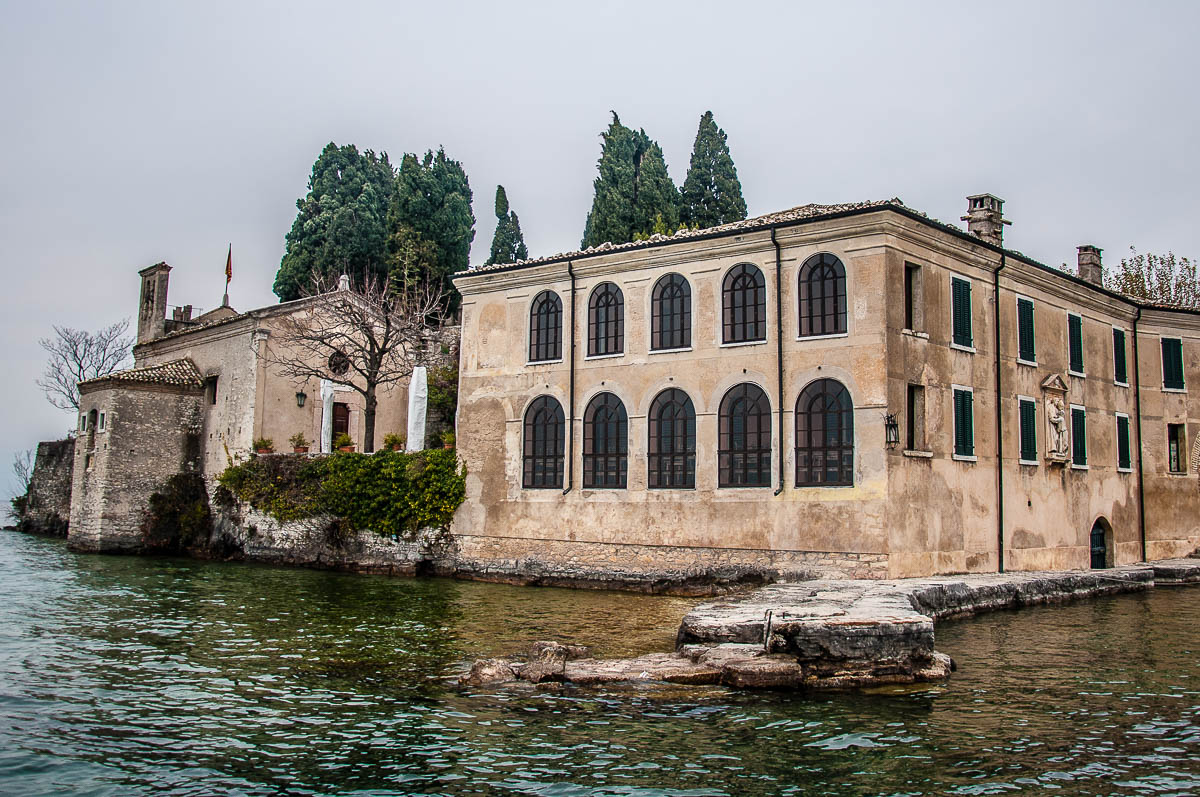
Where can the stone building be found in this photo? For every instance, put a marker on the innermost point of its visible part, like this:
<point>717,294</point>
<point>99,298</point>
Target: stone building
<point>834,389</point>
<point>201,391</point>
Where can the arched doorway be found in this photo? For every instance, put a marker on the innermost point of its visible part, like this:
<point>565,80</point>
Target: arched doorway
<point>1101,532</point>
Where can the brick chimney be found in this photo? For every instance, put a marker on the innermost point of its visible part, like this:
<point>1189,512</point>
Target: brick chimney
<point>985,218</point>
<point>1090,268</point>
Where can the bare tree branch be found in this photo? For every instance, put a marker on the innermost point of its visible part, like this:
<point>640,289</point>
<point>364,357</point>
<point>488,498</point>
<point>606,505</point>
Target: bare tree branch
<point>22,466</point>
<point>77,355</point>
<point>363,337</point>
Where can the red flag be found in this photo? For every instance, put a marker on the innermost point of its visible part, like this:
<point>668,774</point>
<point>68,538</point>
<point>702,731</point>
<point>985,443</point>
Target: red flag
<point>229,265</point>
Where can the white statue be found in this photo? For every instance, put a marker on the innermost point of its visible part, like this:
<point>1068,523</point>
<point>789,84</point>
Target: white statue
<point>1056,414</point>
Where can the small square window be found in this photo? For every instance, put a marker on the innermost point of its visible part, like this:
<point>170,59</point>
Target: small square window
<point>1176,446</point>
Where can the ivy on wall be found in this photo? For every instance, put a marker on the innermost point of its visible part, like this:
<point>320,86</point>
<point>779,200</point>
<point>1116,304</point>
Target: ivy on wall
<point>391,493</point>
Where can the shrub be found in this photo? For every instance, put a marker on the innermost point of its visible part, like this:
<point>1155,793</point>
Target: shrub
<point>390,492</point>
<point>448,438</point>
<point>393,441</point>
<point>342,440</point>
<point>298,440</point>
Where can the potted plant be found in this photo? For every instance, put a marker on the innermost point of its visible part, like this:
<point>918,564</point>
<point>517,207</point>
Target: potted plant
<point>393,442</point>
<point>447,439</point>
<point>264,445</point>
<point>343,442</point>
<point>299,443</point>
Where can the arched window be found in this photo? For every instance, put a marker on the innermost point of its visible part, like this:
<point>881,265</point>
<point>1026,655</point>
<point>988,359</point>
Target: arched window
<point>671,313</point>
<point>743,305</point>
<point>544,441</point>
<point>545,327</point>
<point>606,320</point>
<point>605,442</point>
<point>822,296</point>
<point>824,435</point>
<point>744,438</point>
<point>672,444</point>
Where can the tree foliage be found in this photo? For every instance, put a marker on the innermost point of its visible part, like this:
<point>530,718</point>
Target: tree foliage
<point>1162,279</point>
<point>77,356</point>
<point>342,223</point>
<point>365,337</point>
<point>711,193</point>
<point>632,190</point>
<point>508,244</point>
<point>431,223</point>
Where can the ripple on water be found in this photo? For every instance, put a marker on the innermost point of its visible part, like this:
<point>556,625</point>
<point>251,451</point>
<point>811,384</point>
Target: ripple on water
<point>122,675</point>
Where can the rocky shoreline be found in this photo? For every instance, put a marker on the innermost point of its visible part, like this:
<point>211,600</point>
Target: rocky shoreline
<point>826,634</point>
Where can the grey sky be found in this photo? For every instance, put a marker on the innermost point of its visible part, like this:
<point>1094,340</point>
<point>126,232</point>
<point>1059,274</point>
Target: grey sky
<point>139,132</point>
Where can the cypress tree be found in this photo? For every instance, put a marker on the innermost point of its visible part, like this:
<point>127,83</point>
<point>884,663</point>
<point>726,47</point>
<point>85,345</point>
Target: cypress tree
<point>712,194</point>
<point>508,245</point>
<point>431,222</point>
<point>633,188</point>
<point>342,223</point>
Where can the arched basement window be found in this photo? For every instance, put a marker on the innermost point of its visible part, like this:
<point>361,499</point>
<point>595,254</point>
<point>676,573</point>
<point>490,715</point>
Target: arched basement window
<point>822,296</point>
<point>671,313</point>
<point>545,327</point>
<point>743,305</point>
<point>824,435</point>
<point>544,439</point>
<point>605,443</point>
<point>744,438</point>
<point>671,463</point>
<point>606,320</point>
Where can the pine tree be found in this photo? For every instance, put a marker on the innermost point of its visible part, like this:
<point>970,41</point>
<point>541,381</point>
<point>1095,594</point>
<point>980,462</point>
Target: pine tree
<point>341,226</point>
<point>508,245</point>
<point>712,194</point>
<point>632,190</point>
<point>431,222</point>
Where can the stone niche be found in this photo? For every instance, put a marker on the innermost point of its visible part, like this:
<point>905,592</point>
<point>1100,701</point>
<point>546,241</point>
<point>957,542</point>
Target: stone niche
<point>1058,420</point>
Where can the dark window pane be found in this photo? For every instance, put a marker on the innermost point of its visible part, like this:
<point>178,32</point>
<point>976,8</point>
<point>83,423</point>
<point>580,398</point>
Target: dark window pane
<point>605,443</point>
<point>606,320</point>
<point>544,441</point>
<point>744,305</point>
<point>744,438</point>
<point>545,327</point>
<point>671,313</point>
<point>822,296</point>
<point>671,458</point>
<point>824,435</point>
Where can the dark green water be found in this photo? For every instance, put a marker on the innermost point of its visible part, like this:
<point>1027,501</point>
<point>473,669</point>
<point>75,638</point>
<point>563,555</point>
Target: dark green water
<point>121,675</point>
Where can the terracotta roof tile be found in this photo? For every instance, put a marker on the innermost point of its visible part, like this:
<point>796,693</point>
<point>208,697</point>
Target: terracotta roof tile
<point>176,373</point>
<point>797,213</point>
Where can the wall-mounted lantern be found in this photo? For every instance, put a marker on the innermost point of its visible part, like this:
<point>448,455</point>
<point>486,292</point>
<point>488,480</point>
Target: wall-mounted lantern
<point>891,430</point>
<point>300,398</point>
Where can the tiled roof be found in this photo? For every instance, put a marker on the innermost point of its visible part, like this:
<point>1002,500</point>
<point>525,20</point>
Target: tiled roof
<point>799,213</point>
<point>176,373</point>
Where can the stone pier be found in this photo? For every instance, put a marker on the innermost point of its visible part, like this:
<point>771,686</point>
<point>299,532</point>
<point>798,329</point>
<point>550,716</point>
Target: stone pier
<point>828,634</point>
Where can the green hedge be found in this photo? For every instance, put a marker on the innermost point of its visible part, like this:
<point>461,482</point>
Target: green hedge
<point>392,493</point>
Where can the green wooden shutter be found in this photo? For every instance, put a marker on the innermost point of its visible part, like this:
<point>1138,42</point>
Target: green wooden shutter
<point>1025,343</point>
<point>1028,431</point>
<point>1120,373</point>
<point>1122,442</point>
<point>961,310</point>
<point>1078,436</point>
<point>1172,356</point>
<point>964,432</point>
<point>1075,325</point>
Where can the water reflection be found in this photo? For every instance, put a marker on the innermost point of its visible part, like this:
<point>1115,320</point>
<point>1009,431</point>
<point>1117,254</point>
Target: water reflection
<point>121,675</point>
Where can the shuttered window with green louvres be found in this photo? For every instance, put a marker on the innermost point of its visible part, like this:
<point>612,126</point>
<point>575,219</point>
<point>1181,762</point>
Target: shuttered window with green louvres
<point>1078,436</point>
<point>1028,430</point>
<point>1120,372</point>
<point>1123,455</point>
<point>1025,345</point>
<point>1075,333</point>
<point>960,297</point>
<point>1172,358</point>
<point>964,424</point>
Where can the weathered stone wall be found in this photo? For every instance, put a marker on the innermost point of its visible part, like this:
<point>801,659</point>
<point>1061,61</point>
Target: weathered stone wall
<point>48,502</point>
<point>150,434</point>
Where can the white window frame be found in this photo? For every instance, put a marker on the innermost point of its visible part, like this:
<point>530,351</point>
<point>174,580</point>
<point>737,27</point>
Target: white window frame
<point>1124,332</point>
<point>953,455</point>
<point>1081,374</point>
<point>1162,371</point>
<point>1071,412</point>
<point>102,423</point>
<point>1129,429</point>
<point>1017,306</point>
<point>1032,401</point>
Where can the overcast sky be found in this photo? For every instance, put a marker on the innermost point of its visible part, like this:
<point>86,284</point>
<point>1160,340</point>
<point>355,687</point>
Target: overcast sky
<point>139,132</point>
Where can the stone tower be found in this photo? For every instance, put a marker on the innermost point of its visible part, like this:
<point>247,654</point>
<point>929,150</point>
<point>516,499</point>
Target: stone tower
<point>152,309</point>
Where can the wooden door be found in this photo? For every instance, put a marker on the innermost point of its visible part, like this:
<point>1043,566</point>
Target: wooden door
<point>341,419</point>
<point>1099,549</point>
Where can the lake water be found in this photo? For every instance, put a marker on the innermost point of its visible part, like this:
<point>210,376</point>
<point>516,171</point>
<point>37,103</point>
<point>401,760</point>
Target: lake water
<point>125,675</point>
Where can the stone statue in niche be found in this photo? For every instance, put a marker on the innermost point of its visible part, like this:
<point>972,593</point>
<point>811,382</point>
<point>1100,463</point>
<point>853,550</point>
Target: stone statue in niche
<point>1056,418</point>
